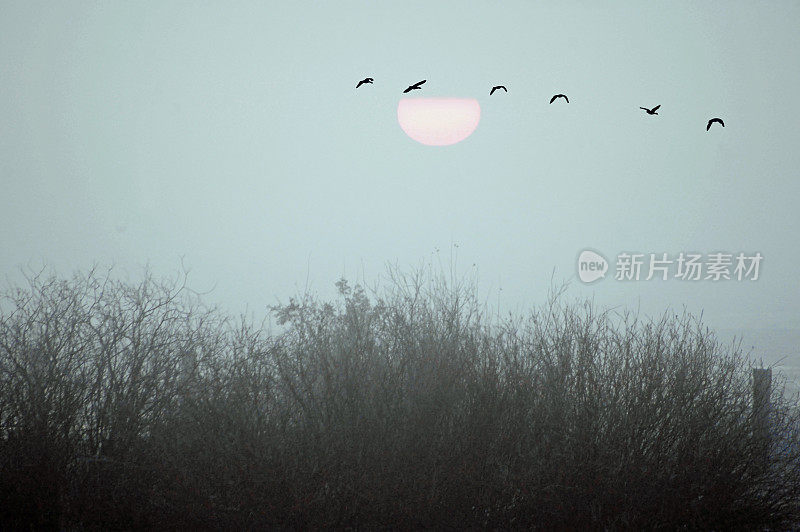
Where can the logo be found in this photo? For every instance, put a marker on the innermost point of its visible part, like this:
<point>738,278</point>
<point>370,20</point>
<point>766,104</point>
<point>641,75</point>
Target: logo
<point>691,267</point>
<point>591,266</point>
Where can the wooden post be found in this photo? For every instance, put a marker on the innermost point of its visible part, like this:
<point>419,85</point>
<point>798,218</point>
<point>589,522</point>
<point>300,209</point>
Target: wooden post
<point>187,367</point>
<point>188,363</point>
<point>762,382</point>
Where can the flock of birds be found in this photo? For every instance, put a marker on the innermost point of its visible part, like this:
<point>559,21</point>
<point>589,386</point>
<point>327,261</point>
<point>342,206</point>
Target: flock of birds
<point>653,111</point>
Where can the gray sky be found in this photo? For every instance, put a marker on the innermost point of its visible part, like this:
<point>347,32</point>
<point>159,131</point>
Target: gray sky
<point>231,134</point>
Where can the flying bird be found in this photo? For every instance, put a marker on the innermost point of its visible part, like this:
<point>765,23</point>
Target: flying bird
<point>558,96</point>
<point>497,87</point>
<point>651,111</point>
<point>363,81</point>
<point>415,86</point>
<point>708,126</point>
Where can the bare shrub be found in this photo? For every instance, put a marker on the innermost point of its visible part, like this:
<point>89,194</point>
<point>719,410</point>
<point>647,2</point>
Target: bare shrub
<point>129,405</point>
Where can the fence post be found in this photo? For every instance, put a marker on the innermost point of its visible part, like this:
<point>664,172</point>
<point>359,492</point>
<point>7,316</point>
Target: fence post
<point>762,383</point>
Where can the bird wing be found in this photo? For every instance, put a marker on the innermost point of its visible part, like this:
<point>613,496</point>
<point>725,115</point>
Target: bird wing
<point>566,99</point>
<point>644,108</point>
<point>359,83</point>
<point>553,98</point>
<point>408,90</point>
<point>656,107</point>
<point>492,91</point>
<point>708,126</point>
<point>417,84</point>
<point>721,122</point>
<point>503,87</point>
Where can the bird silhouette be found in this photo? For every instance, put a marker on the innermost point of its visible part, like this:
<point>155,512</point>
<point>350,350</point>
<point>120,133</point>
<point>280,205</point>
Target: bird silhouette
<point>651,111</point>
<point>497,87</point>
<point>708,126</point>
<point>363,81</point>
<point>415,86</point>
<point>558,96</point>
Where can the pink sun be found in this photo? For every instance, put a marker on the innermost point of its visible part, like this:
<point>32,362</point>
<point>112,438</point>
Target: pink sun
<point>438,121</point>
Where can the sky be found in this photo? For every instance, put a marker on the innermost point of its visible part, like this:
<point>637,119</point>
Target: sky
<point>230,137</point>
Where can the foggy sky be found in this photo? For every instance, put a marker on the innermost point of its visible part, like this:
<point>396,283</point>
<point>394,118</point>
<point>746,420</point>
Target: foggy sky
<point>231,135</point>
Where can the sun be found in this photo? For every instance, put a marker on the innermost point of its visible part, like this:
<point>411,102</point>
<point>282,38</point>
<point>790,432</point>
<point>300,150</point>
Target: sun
<point>438,121</point>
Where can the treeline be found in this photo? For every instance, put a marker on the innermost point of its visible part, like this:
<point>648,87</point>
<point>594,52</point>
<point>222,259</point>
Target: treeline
<point>132,405</point>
